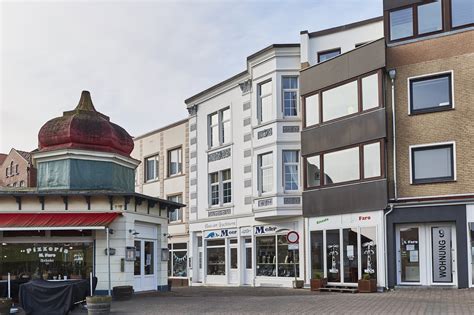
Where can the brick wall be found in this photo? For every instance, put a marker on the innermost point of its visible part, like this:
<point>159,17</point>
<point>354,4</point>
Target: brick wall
<point>25,173</point>
<point>456,53</point>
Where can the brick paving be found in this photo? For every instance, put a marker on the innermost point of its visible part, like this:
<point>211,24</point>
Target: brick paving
<point>216,300</point>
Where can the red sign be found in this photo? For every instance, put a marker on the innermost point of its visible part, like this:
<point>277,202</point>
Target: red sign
<point>292,237</point>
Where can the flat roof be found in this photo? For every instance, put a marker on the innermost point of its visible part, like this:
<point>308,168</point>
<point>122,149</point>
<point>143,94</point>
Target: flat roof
<point>342,27</point>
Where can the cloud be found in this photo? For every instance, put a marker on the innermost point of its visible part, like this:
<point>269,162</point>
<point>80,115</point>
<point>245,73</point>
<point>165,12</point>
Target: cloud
<point>140,60</point>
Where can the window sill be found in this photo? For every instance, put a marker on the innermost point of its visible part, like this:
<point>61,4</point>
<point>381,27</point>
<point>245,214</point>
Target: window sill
<point>431,110</point>
<point>433,181</point>
<point>174,176</point>
<point>220,207</point>
<point>222,146</point>
<point>151,181</point>
<point>175,223</point>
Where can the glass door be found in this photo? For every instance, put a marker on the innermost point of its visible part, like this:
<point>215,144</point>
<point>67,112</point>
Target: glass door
<point>248,273</point>
<point>333,260</point>
<point>144,265</point>
<point>409,255</point>
<point>350,255</point>
<point>234,270</point>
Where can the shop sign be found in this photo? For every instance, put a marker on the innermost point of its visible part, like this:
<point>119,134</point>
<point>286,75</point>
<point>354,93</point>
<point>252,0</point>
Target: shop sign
<point>46,254</point>
<point>265,229</point>
<point>441,242</point>
<point>246,231</point>
<point>221,233</point>
<point>322,221</point>
<point>220,225</point>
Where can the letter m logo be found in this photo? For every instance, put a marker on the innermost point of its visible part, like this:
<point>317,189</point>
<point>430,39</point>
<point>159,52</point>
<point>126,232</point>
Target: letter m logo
<point>259,230</point>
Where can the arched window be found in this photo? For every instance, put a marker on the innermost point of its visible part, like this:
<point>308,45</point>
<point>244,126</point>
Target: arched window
<point>14,184</point>
<point>22,183</point>
<point>11,168</point>
<point>16,169</point>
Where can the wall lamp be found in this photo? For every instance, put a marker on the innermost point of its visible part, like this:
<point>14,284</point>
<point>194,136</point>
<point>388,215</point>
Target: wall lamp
<point>133,232</point>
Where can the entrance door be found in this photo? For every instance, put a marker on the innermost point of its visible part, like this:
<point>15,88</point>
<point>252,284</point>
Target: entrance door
<point>145,265</point>
<point>234,265</point>
<point>426,254</point>
<point>248,272</point>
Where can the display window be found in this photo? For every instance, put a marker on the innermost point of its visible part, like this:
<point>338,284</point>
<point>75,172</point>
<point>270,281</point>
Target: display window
<point>273,257</point>
<point>48,261</point>
<point>177,265</point>
<point>216,257</point>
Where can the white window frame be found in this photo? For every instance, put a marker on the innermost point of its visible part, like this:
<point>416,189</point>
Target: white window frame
<point>180,161</point>
<point>211,128</point>
<point>426,76</point>
<point>260,97</point>
<point>220,127</point>
<point>180,210</point>
<point>156,158</point>
<point>211,185</point>
<point>283,90</point>
<point>435,144</point>
<point>226,182</point>
<point>291,163</point>
<point>220,188</point>
<point>260,173</point>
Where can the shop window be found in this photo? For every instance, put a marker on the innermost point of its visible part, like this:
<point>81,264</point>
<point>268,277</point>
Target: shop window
<point>48,261</point>
<point>291,169</point>
<point>290,96</point>
<point>233,258</point>
<point>178,261</point>
<point>151,168</point>
<point>431,164</point>
<point>350,255</point>
<point>149,258</point>
<point>24,233</point>
<point>265,106</point>
<point>311,113</point>
<point>69,233</point>
<point>274,258</point>
<point>175,162</point>
<point>368,250</point>
<point>137,263</point>
<point>216,257</point>
<point>328,54</point>
<point>317,254</point>
<point>431,93</point>
<point>333,260</point>
<point>462,13</point>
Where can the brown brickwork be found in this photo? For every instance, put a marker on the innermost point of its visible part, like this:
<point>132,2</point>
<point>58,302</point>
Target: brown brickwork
<point>17,169</point>
<point>447,53</point>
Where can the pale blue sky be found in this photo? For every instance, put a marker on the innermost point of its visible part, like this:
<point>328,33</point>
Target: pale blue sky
<point>139,59</point>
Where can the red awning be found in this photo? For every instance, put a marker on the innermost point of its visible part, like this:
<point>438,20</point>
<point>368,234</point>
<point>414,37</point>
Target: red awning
<point>55,221</point>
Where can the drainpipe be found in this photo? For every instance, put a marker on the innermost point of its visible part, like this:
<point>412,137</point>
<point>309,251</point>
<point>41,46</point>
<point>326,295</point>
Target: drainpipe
<point>107,231</point>
<point>392,74</point>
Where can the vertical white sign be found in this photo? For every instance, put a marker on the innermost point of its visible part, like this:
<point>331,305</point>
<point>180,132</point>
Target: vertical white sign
<point>442,262</point>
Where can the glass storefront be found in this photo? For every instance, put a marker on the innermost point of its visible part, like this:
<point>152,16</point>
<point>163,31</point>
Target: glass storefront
<point>177,265</point>
<point>216,257</point>
<point>274,258</point>
<point>409,258</point>
<point>317,254</point>
<point>49,261</point>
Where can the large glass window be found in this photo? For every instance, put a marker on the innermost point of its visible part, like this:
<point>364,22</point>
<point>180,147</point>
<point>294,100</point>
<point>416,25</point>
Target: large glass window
<point>368,250</point>
<point>317,254</point>
<point>350,255</point>
<point>175,162</point>
<point>462,12</point>
<point>216,257</point>
<point>401,23</point>
<point>175,215</point>
<point>311,107</point>
<point>328,54</point>
<point>429,17</point>
<point>287,258</point>
<point>430,94</point>
<point>432,164</point>
<point>340,101</point>
<point>151,168</point>
<point>333,261</point>
<point>265,106</point>
<point>178,260</point>
<point>370,92</point>
<point>265,168</point>
<point>372,165</point>
<point>290,95</point>
<point>290,169</point>
<point>48,261</point>
<point>273,257</point>
<point>342,166</point>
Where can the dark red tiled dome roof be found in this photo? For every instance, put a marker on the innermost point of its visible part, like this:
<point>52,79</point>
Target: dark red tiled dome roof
<point>84,128</point>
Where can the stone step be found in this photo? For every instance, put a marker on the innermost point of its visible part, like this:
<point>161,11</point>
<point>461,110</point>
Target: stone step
<point>339,289</point>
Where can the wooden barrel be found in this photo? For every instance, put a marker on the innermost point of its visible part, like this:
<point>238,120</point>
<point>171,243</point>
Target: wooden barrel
<point>98,305</point>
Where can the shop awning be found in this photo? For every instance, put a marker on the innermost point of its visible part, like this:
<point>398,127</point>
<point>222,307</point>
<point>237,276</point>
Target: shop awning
<point>55,221</point>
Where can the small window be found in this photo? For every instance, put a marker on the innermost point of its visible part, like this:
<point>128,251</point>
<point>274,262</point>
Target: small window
<point>429,17</point>
<point>175,162</point>
<point>213,130</point>
<point>214,182</point>
<point>16,170</point>
<point>290,96</point>
<point>22,184</point>
<point>372,166</point>
<point>225,125</point>
<point>175,215</point>
<point>462,13</point>
<point>431,164</point>
<point>219,128</point>
<point>265,168</point>
<point>311,110</point>
<point>313,171</point>
<point>429,94</point>
<point>401,23</point>
<point>328,54</point>
<point>265,111</point>
<point>370,92</point>
<point>226,186</point>
<point>290,169</point>
<point>151,168</point>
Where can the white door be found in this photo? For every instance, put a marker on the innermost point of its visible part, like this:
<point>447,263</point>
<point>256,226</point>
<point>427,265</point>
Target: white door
<point>145,265</point>
<point>426,254</point>
<point>234,265</point>
<point>247,261</point>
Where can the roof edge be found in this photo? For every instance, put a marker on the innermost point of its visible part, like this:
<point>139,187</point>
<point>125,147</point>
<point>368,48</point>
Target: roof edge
<point>166,127</point>
<point>343,27</point>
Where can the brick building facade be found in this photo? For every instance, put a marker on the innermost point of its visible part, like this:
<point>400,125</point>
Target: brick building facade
<point>17,170</point>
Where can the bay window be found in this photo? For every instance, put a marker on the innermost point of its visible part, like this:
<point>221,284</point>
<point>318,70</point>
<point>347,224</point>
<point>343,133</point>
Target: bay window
<point>340,101</point>
<point>357,163</point>
<point>265,106</point>
<point>265,172</point>
<point>290,169</point>
<point>311,113</point>
<point>290,95</point>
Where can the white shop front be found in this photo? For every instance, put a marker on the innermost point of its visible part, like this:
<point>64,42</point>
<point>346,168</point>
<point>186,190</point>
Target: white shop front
<point>342,248</point>
<point>255,254</point>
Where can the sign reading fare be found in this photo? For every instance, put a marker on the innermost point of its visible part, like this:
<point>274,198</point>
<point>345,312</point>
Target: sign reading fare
<point>442,268</point>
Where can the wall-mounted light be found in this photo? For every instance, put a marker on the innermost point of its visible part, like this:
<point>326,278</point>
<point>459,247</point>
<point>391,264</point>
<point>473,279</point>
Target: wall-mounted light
<point>133,232</point>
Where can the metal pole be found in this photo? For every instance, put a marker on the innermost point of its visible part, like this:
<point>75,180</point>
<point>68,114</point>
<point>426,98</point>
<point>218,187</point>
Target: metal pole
<point>108,257</point>
<point>294,266</point>
<point>9,286</point>
<point>90,283</point>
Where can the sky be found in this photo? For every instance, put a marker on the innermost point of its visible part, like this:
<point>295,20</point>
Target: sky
<point>139,59</point>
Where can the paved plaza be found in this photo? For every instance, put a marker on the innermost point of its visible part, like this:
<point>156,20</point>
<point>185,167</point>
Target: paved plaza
<point>198,300</point>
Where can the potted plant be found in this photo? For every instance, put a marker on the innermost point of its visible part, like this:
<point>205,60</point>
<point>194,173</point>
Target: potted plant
<point>298,284</point>
<point>318,281</point>
<point>5,305</point>
<point>366,284</point>
<point>98,304</point>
